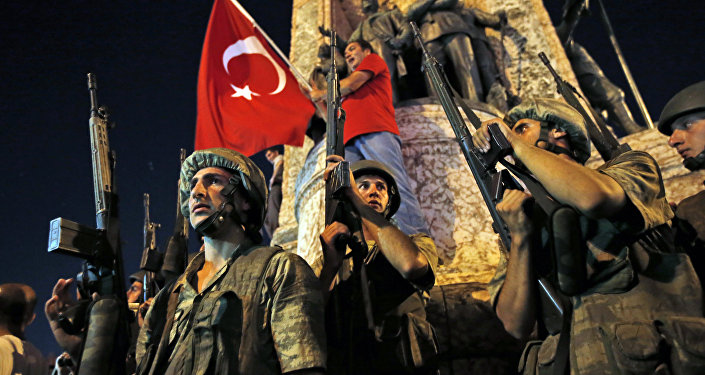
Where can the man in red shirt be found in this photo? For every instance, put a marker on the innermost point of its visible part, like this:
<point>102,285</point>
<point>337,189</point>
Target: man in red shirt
<point>371,132</point>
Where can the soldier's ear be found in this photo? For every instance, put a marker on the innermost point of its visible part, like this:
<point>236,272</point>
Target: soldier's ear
<point>558,133</point>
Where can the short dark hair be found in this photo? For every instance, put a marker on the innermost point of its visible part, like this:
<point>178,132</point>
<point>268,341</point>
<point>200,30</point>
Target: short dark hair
<point>278,148</point>
<point>363,44</point>
<point>17,302</point>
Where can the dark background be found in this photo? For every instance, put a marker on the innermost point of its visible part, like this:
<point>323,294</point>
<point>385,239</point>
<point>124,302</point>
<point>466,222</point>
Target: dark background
<point>145,55</point>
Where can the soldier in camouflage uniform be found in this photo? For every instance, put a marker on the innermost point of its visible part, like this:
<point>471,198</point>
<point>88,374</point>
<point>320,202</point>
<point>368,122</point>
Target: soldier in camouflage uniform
<point>639,296</point>
<point>238,308</point>
<point>399,267</point>
<point>683,120</point>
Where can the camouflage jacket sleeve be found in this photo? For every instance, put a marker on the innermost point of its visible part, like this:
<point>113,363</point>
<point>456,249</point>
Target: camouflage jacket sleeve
<point>640,177</point>
<point>428,248</point>
<point>296,314</point>
<point>144,336</point>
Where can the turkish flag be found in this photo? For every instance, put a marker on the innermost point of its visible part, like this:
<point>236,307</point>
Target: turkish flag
<point>248,99</point>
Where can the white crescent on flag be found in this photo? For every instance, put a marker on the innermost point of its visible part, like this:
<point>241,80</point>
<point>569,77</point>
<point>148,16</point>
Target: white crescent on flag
<point>252,46</point>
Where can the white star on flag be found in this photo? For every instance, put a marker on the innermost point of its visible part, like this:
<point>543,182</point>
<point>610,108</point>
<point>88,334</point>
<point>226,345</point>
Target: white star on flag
<point>243,92</point>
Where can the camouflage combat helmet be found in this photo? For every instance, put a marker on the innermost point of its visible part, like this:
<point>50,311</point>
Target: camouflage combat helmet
<point>372,167</point>
<point>555,113</point>
<point>246,175</point>
<point>689,100</point>
<point>137,276</point>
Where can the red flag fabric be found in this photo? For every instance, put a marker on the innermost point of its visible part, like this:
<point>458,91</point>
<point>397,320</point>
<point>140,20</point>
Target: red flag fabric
<point>248,99</point>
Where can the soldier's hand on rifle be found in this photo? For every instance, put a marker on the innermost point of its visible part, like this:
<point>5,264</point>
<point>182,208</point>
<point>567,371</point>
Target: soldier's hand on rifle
<point>333,239</point>
<point>61,300</point>
<point>512,211</point>
<point>331,162</point>
<point>481,138</point>
<point>353,194</point>
<point>142,311</point>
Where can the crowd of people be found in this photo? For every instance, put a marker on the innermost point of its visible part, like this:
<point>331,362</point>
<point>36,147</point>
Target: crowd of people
<point>242,307</point>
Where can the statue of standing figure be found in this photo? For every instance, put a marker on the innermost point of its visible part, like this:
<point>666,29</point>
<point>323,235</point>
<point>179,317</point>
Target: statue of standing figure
<point>598,89</point>
<point>455,36</point>
<point>388,33</point>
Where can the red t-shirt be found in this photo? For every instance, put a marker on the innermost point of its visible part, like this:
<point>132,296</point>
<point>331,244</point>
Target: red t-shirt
<point>369,109</point>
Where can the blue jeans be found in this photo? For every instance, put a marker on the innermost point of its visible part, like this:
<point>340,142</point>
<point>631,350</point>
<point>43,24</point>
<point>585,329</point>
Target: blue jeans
<point>385,147</point>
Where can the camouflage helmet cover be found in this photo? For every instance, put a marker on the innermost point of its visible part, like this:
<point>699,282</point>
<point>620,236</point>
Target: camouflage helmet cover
<point>137,276</point>
<point>373,167</point>
<point>564,116</point>
<point>689,100</point>
<point>232,160</point>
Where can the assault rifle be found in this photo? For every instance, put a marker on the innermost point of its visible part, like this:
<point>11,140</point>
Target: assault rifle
<point>490,182</point>
<point>103,323</point>
<point>152,259</point>
<point>176,254</point>
<point>605,142</point>
<point>163,267</point>
<point>338,208</point>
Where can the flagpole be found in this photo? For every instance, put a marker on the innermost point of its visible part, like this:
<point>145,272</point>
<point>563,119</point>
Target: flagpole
<point>293,69</point>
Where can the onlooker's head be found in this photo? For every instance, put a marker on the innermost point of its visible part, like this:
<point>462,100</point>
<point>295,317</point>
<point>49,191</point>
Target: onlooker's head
<point>355,52</point>
<point>272,153</point>
<point>683,119</point>
<point>17,302</point>
<point>552,125</point>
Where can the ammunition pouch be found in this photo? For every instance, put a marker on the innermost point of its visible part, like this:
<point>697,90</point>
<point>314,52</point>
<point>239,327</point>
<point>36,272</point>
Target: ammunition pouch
<point>648,347</point>
<point>686,337</point>
<point>405,344</point>
<point>672,345</point>
<point>539,357</point>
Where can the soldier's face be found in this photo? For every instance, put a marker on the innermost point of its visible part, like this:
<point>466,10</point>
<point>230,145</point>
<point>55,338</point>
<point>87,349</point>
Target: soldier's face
<point>354,54</point>
<point>205,197</point>
<point>135,291</point>
<point>688,137</point>
<point>374,191</point>
<point>529,130</point>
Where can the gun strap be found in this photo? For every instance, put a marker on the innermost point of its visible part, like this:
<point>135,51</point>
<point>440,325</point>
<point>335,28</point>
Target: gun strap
<point>544,200</point>
<point>562,358</point>
<point>459,102</point>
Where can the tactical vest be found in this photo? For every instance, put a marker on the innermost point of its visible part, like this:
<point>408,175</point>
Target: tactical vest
<point>229,321</point>
<point>655,327</point>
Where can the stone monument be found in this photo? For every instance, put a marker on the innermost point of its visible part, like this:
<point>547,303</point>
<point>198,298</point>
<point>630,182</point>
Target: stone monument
<point>471,337</point>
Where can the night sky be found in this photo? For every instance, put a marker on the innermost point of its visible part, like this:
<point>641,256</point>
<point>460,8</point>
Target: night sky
<point>145,55</point>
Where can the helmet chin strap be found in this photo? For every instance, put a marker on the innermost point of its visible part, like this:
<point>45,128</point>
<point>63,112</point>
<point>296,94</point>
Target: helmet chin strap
<point>695,163</point>
<point>212,224</point>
